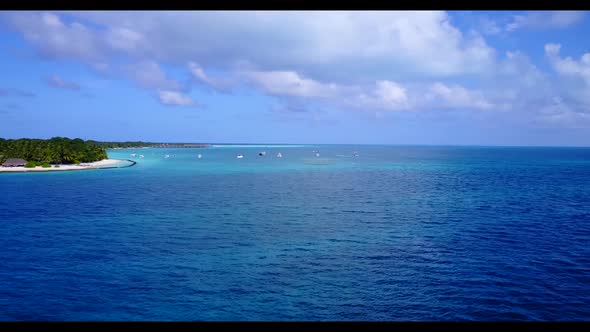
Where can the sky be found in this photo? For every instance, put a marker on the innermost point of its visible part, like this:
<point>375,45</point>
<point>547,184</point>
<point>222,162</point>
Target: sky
<point>301,77</point>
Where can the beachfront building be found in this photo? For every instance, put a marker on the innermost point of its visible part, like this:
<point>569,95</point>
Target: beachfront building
<point>14,162</point>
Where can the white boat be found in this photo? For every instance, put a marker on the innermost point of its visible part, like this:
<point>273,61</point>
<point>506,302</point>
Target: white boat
<point>239,156</point>
<point>263,153</point>
<point>167,156</point>
<point>279,155</point>
<point>199,156</point>
<point>133,155</point>
<point>317,154</point>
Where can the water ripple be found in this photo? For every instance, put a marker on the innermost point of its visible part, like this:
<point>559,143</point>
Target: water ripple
<point>409,233</point>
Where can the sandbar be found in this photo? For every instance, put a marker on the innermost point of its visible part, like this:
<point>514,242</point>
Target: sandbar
<point>83,166</point>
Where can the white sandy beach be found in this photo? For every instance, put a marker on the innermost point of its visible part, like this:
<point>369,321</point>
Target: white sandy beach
<point>83,166</point>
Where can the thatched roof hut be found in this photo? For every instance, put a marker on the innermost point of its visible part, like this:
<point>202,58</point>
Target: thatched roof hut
<point>14,162</point>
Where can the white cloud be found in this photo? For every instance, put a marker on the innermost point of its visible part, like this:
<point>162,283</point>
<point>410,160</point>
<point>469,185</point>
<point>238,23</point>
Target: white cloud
<point>489,26</point>
<point>419,43</point>
<point>148,74</point>
<point>335,47</point>
<point>289,83</point>
<point>552,49</point>
<point>199,74</point>
<point>559,113</point>
<point>58,82</point>
<point>56,39</point>
<point>456,96</point>
<point>397,38</point>
<point>391,92</point>
<point>573,85</point>
<point>124,39</point>
<point>545,19</point>
<point>385,95</point>
<point>388,61</point>
<point>51,20</point>
<point>568,66</point>
<point>517,85</point>
<point>518,68</point>
<point>175,98</point>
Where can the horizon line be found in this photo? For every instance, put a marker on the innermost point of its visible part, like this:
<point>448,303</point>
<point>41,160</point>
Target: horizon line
<point>383,144</point>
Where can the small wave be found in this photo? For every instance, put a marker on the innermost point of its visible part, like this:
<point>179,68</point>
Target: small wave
<point>359,211</point>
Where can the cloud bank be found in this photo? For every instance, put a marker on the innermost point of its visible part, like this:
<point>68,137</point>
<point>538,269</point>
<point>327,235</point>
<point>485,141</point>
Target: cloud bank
<point>392,62</point>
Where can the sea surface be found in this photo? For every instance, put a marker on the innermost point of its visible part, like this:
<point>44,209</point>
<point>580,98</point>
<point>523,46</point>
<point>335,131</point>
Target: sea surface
<point>397,233</point>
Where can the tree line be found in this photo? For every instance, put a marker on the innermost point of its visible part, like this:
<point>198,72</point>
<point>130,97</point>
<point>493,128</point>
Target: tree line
<point>122,145</point>
<point>57,150</point>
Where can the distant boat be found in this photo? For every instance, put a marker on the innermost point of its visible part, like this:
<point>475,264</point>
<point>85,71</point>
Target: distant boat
<point>317,154</point>
<point>239,156</point>
<point>263,153</point>
<point>133,155</point>
<point>167,156</point>
<point>140,156</point>
<point>199,156</point>
<point>355,154</point>
<point>279,155</point>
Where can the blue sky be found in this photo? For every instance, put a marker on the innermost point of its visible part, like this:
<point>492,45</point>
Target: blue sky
<point>468,78</point>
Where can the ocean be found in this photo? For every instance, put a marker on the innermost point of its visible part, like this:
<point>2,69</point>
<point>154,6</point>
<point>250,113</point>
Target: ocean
<point>396,233</point>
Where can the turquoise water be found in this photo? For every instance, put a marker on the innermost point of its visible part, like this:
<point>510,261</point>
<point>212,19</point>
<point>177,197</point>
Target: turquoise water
<point>251,146</point>
<point>398,233</point>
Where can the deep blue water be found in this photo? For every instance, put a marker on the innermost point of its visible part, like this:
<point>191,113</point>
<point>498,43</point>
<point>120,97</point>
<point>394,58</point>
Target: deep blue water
<point>398,233</point>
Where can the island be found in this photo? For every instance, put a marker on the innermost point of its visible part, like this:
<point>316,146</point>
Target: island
<point>128,145</point>
<point>56,154</point>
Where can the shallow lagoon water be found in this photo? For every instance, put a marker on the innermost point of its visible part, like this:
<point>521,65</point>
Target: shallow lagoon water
<point>412,233</point>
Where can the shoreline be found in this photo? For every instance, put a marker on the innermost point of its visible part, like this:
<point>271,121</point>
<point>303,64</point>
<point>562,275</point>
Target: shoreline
<point>102,164</point>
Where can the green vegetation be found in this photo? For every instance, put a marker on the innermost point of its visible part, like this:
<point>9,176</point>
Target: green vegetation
<point>122,145</point>
<point>62,150</point>
<point>57,150</point>
<point>33,164</point>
